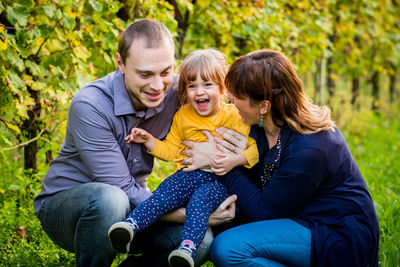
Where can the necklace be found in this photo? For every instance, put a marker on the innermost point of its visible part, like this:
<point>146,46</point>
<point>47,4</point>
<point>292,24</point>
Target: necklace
<point>270,167</point>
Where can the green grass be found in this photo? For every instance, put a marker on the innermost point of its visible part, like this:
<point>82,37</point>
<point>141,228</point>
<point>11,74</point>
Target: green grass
<point>373,139</point>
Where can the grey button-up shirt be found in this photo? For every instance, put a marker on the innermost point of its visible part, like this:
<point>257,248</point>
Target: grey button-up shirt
<point>94,150</point>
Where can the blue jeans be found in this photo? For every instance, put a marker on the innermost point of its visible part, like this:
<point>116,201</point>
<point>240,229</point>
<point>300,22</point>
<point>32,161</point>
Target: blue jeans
<point>78,220</point>
<point>280,242</point>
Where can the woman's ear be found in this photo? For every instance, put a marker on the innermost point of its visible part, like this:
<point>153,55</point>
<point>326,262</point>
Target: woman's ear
<point>265,106</point>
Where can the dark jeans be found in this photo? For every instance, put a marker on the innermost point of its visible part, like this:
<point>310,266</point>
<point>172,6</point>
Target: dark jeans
<point>78,220</point>
<point>157,241</point>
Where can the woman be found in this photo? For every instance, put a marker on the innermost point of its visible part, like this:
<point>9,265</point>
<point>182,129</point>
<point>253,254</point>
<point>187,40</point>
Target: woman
<point>306,200</point>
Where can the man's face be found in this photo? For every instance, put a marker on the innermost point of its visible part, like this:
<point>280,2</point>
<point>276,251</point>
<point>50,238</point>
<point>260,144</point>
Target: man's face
<point>147,73</point>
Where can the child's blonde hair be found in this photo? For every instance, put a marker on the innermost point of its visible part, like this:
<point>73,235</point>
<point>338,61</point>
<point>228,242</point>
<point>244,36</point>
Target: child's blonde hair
<point>209,63</point>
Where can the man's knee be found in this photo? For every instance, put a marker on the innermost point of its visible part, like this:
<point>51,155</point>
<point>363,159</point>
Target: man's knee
<point>111,200</point>
<point>202,254</point>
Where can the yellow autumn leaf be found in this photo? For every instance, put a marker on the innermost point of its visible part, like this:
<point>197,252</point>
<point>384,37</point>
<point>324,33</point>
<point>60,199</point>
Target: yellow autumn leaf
<point>14,128</point>
<point>39,41</point>
<point>27,79</point>
<point>69,12</point>
<point>38,86</point>
<point>81,52</point>
<point>2,28</point>
<point>3,44</point>
<point>22,110</point>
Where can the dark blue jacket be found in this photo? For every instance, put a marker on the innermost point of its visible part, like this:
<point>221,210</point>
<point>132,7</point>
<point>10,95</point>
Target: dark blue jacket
<point>318,184</point>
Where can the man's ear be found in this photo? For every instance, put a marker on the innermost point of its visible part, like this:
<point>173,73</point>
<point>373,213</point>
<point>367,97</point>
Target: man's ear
<point>265,107</point>
<point>120,64</point>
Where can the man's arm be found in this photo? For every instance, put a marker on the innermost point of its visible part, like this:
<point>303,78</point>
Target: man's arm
<point>100,151</point>
<point>223,214</point>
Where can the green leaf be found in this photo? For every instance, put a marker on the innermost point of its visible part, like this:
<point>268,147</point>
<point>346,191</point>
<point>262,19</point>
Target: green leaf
<point>14,128</point>
<point>49,10</point>
<point>96,5</point>
<point>33,67</point>
<point>45,30</point>
<point>38,86</point>
<point>14,187</point>
<point>17,14</point>
<point>69,22</point>
<point>15,79</point>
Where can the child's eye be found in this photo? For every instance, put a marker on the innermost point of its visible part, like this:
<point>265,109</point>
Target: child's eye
<point>191,86</point>
<point>208,84</point>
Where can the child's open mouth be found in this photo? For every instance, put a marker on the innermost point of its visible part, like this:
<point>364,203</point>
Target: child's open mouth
<point>202,104</point>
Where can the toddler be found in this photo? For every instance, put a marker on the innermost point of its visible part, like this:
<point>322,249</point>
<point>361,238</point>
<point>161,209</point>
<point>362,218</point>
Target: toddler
<point>201,88</point>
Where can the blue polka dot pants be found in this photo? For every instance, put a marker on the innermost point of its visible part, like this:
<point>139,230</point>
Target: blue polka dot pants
<point>198,190</point>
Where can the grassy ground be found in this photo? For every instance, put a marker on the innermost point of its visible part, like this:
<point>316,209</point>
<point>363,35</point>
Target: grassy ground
<point>373,139</point>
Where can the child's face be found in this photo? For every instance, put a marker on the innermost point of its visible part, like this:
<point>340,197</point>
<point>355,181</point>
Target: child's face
<point>204,96</point>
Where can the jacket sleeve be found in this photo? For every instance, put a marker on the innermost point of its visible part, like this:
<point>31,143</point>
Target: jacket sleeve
<point>100,151</point>
<point>169,148</point>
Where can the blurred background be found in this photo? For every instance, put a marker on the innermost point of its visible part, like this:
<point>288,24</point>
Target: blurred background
<point>346,52</point>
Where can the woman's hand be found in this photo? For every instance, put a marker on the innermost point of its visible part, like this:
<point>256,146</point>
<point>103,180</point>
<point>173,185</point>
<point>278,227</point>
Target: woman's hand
<point>224,213</point>
<point>235,142</point>
<point>200,154</point>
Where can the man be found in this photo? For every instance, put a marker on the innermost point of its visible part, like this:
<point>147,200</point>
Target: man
<point>97,177</point>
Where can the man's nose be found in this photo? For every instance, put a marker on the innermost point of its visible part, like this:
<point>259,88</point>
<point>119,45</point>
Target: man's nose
<point>157,83</point>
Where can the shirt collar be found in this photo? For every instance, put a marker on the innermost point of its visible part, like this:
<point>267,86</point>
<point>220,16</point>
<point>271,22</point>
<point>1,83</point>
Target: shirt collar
<point>122,101</point>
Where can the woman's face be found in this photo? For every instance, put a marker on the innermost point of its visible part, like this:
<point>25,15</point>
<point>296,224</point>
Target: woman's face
<point>250,114</point>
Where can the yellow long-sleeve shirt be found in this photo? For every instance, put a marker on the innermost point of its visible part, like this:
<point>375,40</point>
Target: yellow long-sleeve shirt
<point>187,125</point>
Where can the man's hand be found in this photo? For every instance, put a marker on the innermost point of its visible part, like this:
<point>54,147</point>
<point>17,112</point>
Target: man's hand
<point>200,154</point>
<point>224,213</point>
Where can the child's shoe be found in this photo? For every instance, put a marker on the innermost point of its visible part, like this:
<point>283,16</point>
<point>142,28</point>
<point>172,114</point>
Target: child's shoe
<point>121,235</point>
<point>183,256</point>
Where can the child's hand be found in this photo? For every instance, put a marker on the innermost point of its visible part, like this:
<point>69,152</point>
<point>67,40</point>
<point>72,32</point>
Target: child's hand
<point>137,136</point>
<point>224,162</point>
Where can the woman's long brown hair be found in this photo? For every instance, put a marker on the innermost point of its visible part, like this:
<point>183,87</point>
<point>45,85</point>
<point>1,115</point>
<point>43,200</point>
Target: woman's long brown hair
<point>270,75</point>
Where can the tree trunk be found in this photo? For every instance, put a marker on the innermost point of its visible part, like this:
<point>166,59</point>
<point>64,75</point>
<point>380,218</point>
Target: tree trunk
<point>392,83</point>
<point>322,82</point>
<point>355,90</point>
<point>330,81</point>
<point>183,25</point>
<point>375,91</point>
<point>31,129</point>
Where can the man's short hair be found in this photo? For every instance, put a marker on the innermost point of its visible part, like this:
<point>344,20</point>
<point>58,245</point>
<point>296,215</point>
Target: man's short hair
<point>151,31</point>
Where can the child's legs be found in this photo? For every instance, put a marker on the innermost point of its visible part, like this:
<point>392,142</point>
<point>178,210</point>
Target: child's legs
<point>203,202</point>
<point>170,195</point>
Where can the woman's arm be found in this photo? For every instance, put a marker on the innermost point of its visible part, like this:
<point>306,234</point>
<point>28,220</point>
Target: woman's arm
<point>292,185</point>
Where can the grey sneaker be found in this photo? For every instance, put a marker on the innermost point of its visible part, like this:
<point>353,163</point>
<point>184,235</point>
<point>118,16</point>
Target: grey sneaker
<point>183,256</point>
<point>121,235</point>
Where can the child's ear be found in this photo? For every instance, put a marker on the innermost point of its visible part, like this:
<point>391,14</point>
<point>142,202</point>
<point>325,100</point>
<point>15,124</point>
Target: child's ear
<point>265,107</point>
